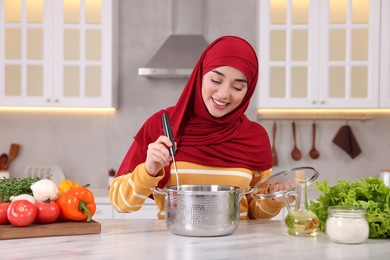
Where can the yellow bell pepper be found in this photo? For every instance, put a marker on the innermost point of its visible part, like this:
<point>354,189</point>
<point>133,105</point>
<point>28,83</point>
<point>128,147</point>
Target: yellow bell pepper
<point>67,185</point>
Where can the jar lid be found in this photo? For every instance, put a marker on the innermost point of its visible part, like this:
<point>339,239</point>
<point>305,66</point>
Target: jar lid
<point>346,210</point>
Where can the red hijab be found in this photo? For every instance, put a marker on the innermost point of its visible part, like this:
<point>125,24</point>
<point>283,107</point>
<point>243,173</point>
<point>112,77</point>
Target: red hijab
<point>230,141</point>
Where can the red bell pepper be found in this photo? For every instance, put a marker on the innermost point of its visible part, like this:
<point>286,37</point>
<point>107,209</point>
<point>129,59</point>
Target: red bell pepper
<point>77,204</point>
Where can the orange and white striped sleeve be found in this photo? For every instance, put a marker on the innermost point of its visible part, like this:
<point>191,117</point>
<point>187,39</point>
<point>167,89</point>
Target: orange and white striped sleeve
<point>128,192</point>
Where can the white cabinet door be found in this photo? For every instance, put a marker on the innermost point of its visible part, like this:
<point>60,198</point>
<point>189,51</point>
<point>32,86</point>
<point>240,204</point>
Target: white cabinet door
<point>25,51</point>
<point>146,212</point>
<point>84,39</point>
<point>103,211</point>
<point>319,54</point>
<point>58,53</point>
<point>385,56</point>
<point>106,211</point>
<point>287,42</point>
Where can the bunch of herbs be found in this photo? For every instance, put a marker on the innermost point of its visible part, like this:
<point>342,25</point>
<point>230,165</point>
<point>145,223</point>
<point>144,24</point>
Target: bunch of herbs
<point>15,186</point>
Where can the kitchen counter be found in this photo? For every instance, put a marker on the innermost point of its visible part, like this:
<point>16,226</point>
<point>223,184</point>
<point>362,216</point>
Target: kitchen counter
<point>150,239</point>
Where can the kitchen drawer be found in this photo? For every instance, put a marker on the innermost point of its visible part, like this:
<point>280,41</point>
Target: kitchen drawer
<point>104,211</point>
<point>146,212</point>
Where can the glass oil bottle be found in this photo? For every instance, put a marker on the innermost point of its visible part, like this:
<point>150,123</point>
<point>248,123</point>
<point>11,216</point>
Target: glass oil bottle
<point>300,221</point>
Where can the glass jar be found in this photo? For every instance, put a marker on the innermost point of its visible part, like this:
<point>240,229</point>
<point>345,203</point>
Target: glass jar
<point>385,176</point>
<point>347,225</point>
<point>300,220</point>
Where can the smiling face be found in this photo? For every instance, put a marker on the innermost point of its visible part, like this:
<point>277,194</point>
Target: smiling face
<point>223,89</point>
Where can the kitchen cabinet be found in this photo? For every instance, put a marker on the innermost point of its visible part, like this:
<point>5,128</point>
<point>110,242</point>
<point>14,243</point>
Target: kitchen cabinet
<point>319,54</point>
<point>59,53</point>
<point>385,56</point>
<point>105,210</point>
<point>148,211</point>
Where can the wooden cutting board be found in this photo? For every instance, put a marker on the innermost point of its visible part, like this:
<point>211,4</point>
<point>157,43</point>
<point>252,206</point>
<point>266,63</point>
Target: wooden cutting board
<point>53,229</point>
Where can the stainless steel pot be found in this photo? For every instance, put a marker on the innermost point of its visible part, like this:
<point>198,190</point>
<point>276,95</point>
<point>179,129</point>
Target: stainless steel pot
<point>201,210</point>
<point>214,210</point>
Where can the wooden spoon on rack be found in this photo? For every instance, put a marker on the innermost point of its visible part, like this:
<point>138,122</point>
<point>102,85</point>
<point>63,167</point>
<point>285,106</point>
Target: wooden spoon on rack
<point>13,153</point>
<point>314,154</point>
<point>295,153</point>
<point>274,154</point>
<point>3,162</point>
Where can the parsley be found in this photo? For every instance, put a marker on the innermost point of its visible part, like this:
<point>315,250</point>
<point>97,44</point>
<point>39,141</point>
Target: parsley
<point>15,186</point>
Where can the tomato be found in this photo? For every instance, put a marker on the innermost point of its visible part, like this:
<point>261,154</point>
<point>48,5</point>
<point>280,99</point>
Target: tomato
<point>21,213</point>
<point>3,213</point>
<point>47,212</point>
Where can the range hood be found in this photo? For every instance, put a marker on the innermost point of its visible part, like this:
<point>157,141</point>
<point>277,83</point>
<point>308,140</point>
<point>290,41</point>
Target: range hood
<point>179,53</point>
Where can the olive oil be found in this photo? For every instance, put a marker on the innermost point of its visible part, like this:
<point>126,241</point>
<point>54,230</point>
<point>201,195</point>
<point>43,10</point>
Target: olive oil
<point>301,221</point>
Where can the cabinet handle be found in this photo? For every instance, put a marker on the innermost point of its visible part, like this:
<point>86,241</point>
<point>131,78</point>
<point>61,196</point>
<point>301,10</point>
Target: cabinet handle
<point>322,102</point>
<point>56,100</point>
<point>48,100</point>
<point>314,102</point>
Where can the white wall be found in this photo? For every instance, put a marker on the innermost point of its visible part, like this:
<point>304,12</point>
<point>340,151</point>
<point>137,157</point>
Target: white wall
<point>86,145</point>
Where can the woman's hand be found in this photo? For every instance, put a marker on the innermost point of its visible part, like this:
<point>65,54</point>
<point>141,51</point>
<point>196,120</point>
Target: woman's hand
<point>157,156</point>
<point>282,186</point>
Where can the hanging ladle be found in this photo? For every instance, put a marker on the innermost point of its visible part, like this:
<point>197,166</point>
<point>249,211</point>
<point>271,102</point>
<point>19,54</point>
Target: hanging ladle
<point>314,154</point>
<point>295,153</point>
<point>274,154</point>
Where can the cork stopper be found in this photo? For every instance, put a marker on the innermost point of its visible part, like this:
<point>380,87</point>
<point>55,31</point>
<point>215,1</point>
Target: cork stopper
<point>300,176</point>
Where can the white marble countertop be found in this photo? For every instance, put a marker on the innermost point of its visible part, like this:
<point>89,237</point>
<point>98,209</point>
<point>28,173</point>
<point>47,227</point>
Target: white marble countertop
<point>150,239</point>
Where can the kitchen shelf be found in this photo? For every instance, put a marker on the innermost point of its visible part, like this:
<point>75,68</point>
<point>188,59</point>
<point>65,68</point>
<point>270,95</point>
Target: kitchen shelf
<point>321,114</point>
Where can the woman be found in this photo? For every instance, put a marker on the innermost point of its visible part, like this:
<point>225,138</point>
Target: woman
<point>216,143</point>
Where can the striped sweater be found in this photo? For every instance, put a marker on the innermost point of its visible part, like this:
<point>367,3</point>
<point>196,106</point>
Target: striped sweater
<point>129,191</point>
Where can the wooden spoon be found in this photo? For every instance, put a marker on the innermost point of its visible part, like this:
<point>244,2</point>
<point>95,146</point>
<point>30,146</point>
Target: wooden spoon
<point>295,153</point>
<point>3,162</point>
<point>274,154</point>
<point>314,154</point>
<point>13,153</point>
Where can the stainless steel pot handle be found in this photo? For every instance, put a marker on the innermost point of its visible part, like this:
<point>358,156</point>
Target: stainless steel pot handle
<point>159,190</point>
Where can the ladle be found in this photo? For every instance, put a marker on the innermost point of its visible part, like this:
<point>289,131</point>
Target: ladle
<point>295,153</point>
<point>314,154</point>
<point>274,154</point>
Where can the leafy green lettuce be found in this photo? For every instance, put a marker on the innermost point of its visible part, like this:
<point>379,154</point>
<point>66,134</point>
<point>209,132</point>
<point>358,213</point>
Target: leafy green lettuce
<point>369,193</point>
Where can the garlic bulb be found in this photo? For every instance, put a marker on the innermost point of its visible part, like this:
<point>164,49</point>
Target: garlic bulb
<point>23,197</point>
<point>45,190</point>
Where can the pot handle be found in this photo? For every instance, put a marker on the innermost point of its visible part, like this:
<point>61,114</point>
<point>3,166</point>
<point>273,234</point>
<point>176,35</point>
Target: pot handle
<point>262,196</point>
<point>159,190</point>
<point>259,196</point>
<point>246,190</point>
